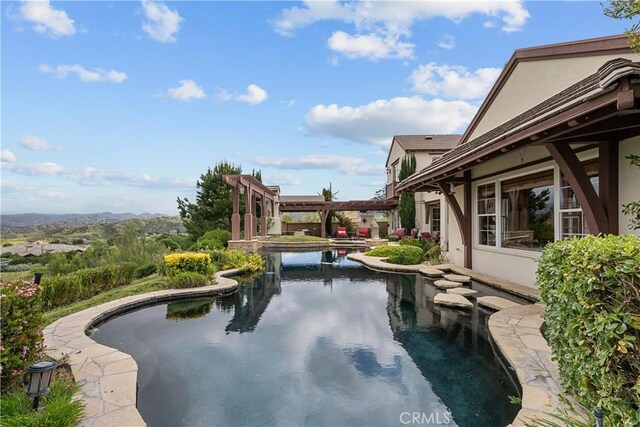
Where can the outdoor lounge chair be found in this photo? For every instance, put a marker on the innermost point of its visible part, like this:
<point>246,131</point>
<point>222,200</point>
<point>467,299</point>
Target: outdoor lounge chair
<point>397,235</point>
<point>341,233</point>
<point>363,232</point>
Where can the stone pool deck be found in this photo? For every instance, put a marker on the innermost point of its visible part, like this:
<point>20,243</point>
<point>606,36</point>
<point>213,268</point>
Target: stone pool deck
<point>516,332</point>
<point>108,377</point>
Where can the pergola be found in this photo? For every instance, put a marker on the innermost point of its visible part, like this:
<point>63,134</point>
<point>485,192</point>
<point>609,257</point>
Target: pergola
<point>324,208</point>
<point>255,193</point>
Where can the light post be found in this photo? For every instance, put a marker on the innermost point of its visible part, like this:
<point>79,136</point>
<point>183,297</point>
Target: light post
<point>40,374</point>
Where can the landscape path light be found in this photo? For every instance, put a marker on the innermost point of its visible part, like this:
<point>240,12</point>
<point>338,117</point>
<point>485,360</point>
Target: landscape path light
<point>40,374</point>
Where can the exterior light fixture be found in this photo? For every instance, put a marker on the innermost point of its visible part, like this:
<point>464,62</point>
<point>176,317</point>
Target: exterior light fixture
<point>40,374</point>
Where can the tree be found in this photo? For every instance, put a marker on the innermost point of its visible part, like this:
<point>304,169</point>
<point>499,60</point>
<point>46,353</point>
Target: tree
<point>328,195</point>
<point>214,202</point>
<point>628,10</point>
<point>380,194</point>
<point>407,205</point>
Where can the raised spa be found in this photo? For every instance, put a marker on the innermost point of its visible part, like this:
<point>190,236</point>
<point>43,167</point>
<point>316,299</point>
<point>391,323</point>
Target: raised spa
<point>317,340</point>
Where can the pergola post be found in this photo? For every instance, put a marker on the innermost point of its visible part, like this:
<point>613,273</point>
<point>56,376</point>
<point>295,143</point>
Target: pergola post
<point>248,214</point>
<point>263,216</point>
<point>468,259</point>
<point>235,216</point>
<point>592,209</point>
<point>323,221</point>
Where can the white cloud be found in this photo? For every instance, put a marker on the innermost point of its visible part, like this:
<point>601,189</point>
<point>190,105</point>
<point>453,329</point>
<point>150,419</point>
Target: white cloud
<point>489,24</point>
<point>161,23</point>
<point>255,95</point>
<point>85,75</point>
<point>376,123</point>
<point>187,90</point>
<point>87,175</point>
<point>31,142</point>
<point>7,156</point>
<point>371,46</point>
<point>283,179</point>
<point>453,81</point>
<point>46,19</point>
<point>346,165</point>
<point>380,25</point>
<point>447,41</point>
<point>381,153</point>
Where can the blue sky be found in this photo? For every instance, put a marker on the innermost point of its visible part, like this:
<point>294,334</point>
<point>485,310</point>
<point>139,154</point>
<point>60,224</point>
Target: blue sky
<point>120,106</point>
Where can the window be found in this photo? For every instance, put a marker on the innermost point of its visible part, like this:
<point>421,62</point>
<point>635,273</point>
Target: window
<point>571,218</point>
<point>487,214</point>
<point>435,220</point>
<point>396,172</point>
<point>527,211</point>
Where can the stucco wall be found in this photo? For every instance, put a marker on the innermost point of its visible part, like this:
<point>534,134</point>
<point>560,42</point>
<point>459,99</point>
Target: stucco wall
<point>532,82</point>
<point>629,184</point>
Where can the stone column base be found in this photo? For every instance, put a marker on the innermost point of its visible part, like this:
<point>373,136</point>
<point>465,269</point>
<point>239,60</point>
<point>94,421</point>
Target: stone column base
<point>245,245</point>
<point>376,242</point>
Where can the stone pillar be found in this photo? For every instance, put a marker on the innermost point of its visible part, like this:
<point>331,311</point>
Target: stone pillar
<point>263,218</point>
<point>375,229</point>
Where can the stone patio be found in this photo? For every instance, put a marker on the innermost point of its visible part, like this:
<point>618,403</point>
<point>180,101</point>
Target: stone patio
<point>108,377</point>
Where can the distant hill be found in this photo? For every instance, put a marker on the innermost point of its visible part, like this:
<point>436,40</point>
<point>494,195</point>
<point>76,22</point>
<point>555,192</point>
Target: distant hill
<point>65,228</point>
<point>33,219</point>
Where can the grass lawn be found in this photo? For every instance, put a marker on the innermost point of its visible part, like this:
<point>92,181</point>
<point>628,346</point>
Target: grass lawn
<point>140,286</point>
<point>58,408</point>
<point>12,276</point>
<point>298,239</point>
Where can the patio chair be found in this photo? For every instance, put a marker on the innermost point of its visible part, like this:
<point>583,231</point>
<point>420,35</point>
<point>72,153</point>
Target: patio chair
<point>397,235</point>
<point>363,232</point>
<point>414,233</point>
<point>341,233</point>
<point>426,235</point>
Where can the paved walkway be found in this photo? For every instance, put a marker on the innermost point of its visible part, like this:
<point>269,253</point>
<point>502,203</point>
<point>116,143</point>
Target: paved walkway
<point>108,377</point>
<point>516,331</point>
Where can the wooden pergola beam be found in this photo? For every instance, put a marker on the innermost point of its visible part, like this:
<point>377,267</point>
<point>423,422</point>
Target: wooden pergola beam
<point>592,208</point>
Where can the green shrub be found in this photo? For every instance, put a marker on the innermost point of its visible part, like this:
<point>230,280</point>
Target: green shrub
<point>418,243</point>
<point>190,279</point>
<point>591,288</point>
<point>213,239</point>
<point>226,259</point>
<point>434,255</point>
<point>85,283</point>
<point>406,255</point>
<point>145,270</point>
<point>187,261</point>
<point>59,408</point>
<point>381,251</point>
<point>20,329</point>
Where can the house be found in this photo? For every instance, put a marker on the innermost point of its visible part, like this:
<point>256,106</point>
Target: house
<point>427,148</point>
<point>543,159</point>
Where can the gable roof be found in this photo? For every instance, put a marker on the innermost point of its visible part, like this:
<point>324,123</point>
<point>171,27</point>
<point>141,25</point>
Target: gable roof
<point>587,47</point>
<point>604,81</point>
<point>436,143</point>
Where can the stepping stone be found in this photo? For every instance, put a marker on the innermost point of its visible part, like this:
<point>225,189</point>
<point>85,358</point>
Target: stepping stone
<point>446,284</point>
<point>497,303</point>
<point>452,300</point>
<point>465,292</point>
<point>457,278</point>
<point>432,272</point>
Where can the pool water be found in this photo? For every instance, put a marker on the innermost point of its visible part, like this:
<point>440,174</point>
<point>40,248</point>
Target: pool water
<point>317,340</point>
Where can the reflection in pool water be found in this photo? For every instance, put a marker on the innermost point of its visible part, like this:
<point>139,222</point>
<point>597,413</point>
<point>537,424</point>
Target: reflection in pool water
<point>317,340</point>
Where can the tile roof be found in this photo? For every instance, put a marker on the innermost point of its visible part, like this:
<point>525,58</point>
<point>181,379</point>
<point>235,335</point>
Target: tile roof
<point>427,142</point>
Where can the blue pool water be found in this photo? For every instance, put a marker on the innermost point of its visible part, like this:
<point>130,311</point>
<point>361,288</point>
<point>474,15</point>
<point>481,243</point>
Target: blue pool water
<point>317,340</point>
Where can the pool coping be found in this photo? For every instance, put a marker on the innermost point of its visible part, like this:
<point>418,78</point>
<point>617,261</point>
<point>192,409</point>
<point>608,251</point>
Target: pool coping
<point>108,377</point>
<point>378,263</point>
<point>516,332</point>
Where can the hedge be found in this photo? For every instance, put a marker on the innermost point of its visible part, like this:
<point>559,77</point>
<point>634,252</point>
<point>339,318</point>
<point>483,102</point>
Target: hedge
<point>187,261</point>
<point>190,279</point>
<point>404,255</point>
<point>85,283</point>
<point>591,288</point>
<point>20,330</point>
<point>225,259</point>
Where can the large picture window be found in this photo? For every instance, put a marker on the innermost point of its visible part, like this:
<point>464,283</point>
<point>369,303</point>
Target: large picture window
<point>527,217</point>
<point>571,218</point>
<point>486,211</point>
